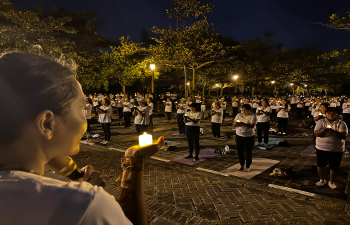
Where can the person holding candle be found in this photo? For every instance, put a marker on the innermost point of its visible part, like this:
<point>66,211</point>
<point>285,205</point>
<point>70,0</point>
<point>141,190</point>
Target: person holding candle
<point>168,109</point>
<point>234,106</point>
<point>245,136</point>
<point>274,105</point>
<point>181,110</point>
<point>216,121</point>
<point>346,112</point>
<point>188,102</point>
<point>141,114</point>
<point>127,112</point>
<point>120,106</point>
<point>192,122</point>
<point>330,143</point>
<point>150,106</point>
<point>255,105</point>
<point>87,114</point>
<point>282,117</point>
<point>104,118</point>
<point>263,122</point>
<point>223,105</point>
<point>203,106</point>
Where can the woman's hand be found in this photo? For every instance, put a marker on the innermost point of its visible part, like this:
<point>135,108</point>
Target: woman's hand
<point>91,176</point>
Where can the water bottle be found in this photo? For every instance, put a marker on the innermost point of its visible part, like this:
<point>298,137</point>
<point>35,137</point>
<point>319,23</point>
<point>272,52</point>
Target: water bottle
<point>227,149</point>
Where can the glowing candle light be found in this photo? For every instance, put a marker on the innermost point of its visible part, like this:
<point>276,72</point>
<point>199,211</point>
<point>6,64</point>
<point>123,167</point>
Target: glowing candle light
<point>145,139</point>
<point>329,126</point>
<point>238,121</point>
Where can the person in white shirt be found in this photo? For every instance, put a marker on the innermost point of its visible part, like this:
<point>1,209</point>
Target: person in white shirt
<point>263,124</point>
<point>245,136</point>
<point>188,102</point>
<point>168,109</point>
<point>198,99</point>
<point>181,111</point>
<point>95,103</point>
<point>235,102</point>
<point>141,114</point>
<point>214,103</point>
<point>150,106</point>
<point>203,107</point>
<point>346,112</point>
<point>300,107</point>
<point>150,95</point>
<point>113,103</point>
<point>223,105</point>
<point>127,113</point>
<point>282,117</point>
<point>192,122</point>
<point>87,114</point>
<point>293,103</point>
<point>330,144</point>
<point>274,105</point>
<point>120,106</point>
<point>216,121</point>
<point>255,105</point>
<point>105,119</point>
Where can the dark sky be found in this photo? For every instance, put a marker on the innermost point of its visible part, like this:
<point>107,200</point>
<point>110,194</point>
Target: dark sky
<point>291,20</point>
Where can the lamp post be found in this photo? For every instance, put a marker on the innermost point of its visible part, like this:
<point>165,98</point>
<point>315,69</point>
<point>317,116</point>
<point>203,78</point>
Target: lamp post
<point>235,78</point>
<point>152,66</point>
<point>187,90</point>
<point>217,90</point>
<point>273,82</point>
<point>292,85</point>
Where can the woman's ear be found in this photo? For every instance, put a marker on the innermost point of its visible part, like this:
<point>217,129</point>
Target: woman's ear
<point>45,123</point>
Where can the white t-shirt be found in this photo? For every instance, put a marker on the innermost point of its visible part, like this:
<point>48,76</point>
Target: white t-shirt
<point>132,101</point>
<point>346,107</point>
<point>105,117</point>
<point>194,116</point>
<point>127,107</point>
<point>142,120</point>
<point>223,105</point>
<point>274,105</point>
<point>255,105</point>
<point>234,102</point>
<point>329,142</point>
<point>293,101</point>
<point>168,106</point>
<point>151,106</point>
<point>244,131</point>
<point>31,199</point>
<point>188,108</point>
<point>198,101</point>
<point>95,101</point>
<point>264,118</point>
<point>300,104</point>
<point>282,113</point>
<point>216,118</point>
<point>333,104</point>
<point>184,110</point>
<point>87,111</point>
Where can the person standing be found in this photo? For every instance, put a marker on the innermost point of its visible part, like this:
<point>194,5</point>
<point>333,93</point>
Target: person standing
<point>330,143</point>
<point>346,112</point>
<point>150,107</point>
<point>120,106</point>
<point>188,102</point>
<point>105,119</point>
<point>282,117</point>
<point>274,106</point>
<point>263,125</point>
<point>223,107</point>
<point>300,108</point>
<point>245,136</point>
<point>127,112</point>
<point>181,110</point>
<point>192,121</point>
<point>234,106</point>
<point>255,105</point>
<point>216,121</point>
<point>87,114</point>
<point>141,114</point>
<point>203,106</point>
<point>95,102</point>
<point>168,109</point>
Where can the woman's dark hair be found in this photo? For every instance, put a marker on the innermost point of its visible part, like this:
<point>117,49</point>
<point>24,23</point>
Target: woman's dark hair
<point>30,84</point>
<point>325,105</point>
<point>89,100</point>
<point>267,102</point>
<point>247,107</point>
<point>107,101</point>
<point>218,104</point>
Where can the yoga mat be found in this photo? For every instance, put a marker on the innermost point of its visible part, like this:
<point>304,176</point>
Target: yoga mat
<point>172,143</point>
<point>309,151</point>
<point>203,155</point>
<point>258,166</point>
<point>272,143</point>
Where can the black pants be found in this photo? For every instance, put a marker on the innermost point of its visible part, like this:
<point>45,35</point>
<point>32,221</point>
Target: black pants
<point>120,113</point>
<point>141,128</point>
<point>106,127</point>
<point>224,113</point>
<point>273,115</point>
<point>215,128</point>
<point>127,116</point>
<point>254,110</point>
<point>88,125</point>
<point>293,106</point>
<point>192,134</point>
<point>300,112</point>
<point>263,127</point>
<point>168,115</point>
<point>346,119</point>
<point>234,111</point>
<point>181,124</point>
<point>282,124</point>
<point>150,125</point>
<point>245,145</point>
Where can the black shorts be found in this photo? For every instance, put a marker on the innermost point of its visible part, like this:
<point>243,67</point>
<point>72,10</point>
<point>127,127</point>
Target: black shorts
<point>333,159</point>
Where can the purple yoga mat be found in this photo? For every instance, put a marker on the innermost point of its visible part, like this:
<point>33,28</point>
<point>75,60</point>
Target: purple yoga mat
<point>203,155</point>
<point>309,151</point>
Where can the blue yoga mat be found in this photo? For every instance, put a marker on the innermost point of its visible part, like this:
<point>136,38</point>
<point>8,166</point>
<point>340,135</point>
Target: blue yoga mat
<point>272,143</point>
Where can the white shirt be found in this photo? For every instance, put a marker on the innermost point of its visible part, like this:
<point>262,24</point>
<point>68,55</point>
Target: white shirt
<point>132,101</point>
<point>184,110</point>
<point>346,107</point>
<point>223,106</point>
<point>198,101</point>
<point>142,120</point>
<point>244,131</point>
<point>216,118</point>
<point>329,142</point>
<point>282,113</point>
<point>274,105</point>
<point>194,116</point>
<point>119,103</point>
<point>168,106</point>
<point>300,104</point>
<point>333,104</point>
<point>95,101</point>
<point>127,107</point>
<point>31,199</point>
<point>234,102</point>
<point>293,101</point>
<point>255,105</point>
<point>105,117</point>
<point>87,111</point>
<point>264,118</point>
<point>151,106</point>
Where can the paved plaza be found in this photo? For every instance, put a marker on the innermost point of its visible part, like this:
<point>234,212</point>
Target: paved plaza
<point>201,194</point>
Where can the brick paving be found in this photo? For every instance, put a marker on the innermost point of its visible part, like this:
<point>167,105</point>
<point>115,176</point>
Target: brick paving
<point>181,194</point>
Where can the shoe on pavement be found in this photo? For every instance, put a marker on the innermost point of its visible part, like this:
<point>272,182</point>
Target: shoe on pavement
<point>196,157</point>
<point>241,169</point>
<point>266,145</point>
<point>332,185</point>
<point>102,142</point>
<point>279,133</point>
<point>284,133</point>
<point>321,183</point>
<point>189,157</point>
<point>246,169</point>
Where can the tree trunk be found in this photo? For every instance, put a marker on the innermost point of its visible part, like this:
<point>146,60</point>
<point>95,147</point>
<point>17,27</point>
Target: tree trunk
<point>252,91</point>
<point>194,79</point>
<point>123,86</point>
<point>204,84</point>
<point>222,89</point>
<point>186,86</point>
<point>209,90</point>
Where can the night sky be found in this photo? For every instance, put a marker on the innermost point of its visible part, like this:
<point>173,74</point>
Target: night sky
<point>292,21</point>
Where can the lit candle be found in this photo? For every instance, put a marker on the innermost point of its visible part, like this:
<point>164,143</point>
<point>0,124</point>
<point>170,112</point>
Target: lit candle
<point>145,139</point>
<point>320,114</point>
<point>238,121</point>
<point>329,126</point>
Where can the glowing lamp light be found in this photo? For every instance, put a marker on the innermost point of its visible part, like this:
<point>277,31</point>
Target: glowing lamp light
<point>235,77</point>
<point>145,139</point>
<point>272,82</point>
<point>329,126</point>
<point>188,83</point>
<point>291,84</point>
<point>305,85</point>
<point>320,114</point>
<point>152,66</point>
<point>217,85</point>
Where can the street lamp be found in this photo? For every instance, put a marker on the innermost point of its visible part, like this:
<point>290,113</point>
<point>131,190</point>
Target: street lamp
<point>291,84</point>
<point>152,66</point>
<point>188,84</point>
<point>272,82</point>
<point>235,77</point>
<point>305,85</point>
